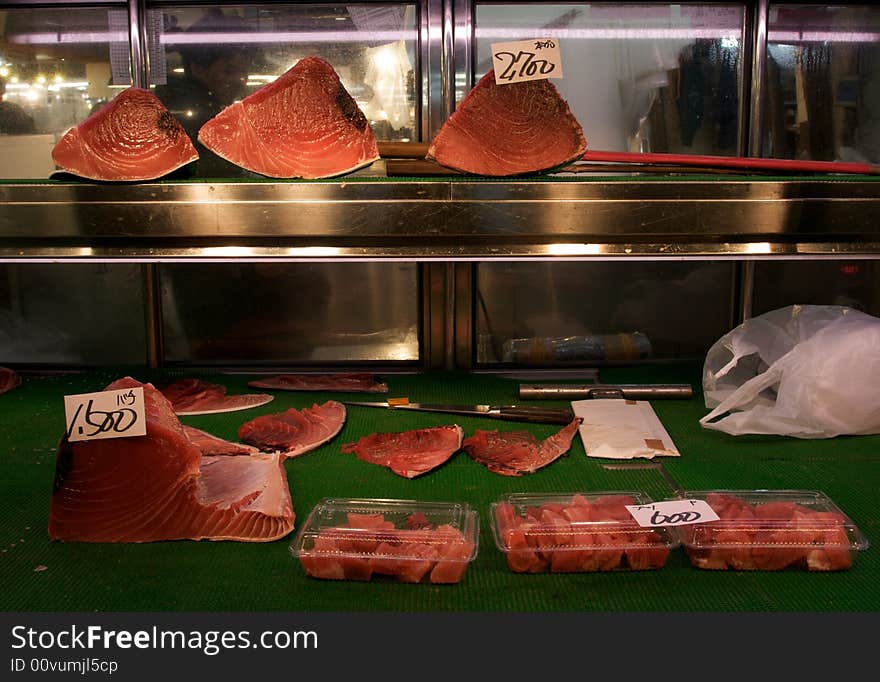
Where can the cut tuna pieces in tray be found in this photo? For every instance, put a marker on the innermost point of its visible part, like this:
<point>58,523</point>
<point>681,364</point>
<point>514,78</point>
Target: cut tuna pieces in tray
<point>371,545</point>
<point>302,125</point>
<point>194,396</point>
<point>133,137</point>
<point>409,453</point>
<point>294,432</point>
<point>212,445</point>
<point>513,453</point>
<point>160,487</point>
<point>502,130</point>
<point>343,383</point>
<point>9,379</point>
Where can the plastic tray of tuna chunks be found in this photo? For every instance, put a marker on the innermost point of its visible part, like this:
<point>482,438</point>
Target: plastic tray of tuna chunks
<point>771,530</point>
<point>406,540</point>
<point>576,533</point>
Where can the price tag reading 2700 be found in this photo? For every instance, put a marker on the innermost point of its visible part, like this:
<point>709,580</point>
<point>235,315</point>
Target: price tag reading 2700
<point>526,60</point>
<point>107,414</point>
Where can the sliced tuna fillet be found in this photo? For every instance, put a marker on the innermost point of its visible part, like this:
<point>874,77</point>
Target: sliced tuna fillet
<point>194,396</point>
<point>212,445</point>
<point>302,125</point>
<point>502,130</point>
<point>514,453</point>
<point>9,379</point>
<point>294,432</point>
<point>160,487</point>
<point>409,453</point>
<point>343,383</point>
<point>132,137</point>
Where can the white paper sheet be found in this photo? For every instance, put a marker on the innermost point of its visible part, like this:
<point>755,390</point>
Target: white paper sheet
<point>622,429</point>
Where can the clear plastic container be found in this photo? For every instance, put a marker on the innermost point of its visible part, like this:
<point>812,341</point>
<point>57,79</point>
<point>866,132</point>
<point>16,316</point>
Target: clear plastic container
<point>576,533</point>
<point>407,540</point>
<point>771,530</point>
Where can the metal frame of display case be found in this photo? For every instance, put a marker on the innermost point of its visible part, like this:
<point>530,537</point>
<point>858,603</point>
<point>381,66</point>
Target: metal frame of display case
<point>446,223</point>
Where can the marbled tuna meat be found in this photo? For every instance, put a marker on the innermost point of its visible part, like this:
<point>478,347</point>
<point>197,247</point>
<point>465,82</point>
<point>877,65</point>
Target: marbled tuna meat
<point>160,487</point>
<point>502,130</point>
<point>132,137</point>
<point>9,379</point>
<point>294,432</point>
<point>513,453</point>
<point>209,444</point>
<point>409,453</point>
<point>302,125</point>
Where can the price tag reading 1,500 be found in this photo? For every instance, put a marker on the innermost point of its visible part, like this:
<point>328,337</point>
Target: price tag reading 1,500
<point>106,414</point>
<point>526,60</point>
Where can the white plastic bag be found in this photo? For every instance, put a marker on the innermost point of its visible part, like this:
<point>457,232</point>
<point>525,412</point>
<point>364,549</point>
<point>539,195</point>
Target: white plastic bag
<point>806,371</point>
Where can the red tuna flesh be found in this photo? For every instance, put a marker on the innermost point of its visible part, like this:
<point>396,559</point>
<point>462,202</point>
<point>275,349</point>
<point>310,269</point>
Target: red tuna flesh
<point>132,137</point>
<point>344,383</point>
<point>160,487</point>
<point>212,445</point>
<point>502,130</point>
<point>194,396</point>
<point>294,432</point>
<point>513,453</point>
<point>409,453</point>
<point>9,379</point>
<point>302,125</point>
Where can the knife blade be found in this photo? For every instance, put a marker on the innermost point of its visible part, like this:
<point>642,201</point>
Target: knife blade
<point>517,413</point>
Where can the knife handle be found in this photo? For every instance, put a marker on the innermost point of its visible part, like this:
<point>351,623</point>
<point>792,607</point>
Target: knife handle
<point>537,415</point>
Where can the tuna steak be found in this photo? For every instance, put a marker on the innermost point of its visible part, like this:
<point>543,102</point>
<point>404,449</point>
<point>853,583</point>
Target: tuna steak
<point>409,453</point>
<point>160,487</point>
<point>514,453</point>
<point>302,125</point>
<point>345,383</point>
<point>294,432</point>
<point>132,137</point>
<point>502,130</point>
<point>9,379</point>
<point>194,396</point>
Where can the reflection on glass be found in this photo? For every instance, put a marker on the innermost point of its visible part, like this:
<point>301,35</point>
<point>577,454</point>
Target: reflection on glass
<point>661,78</point>
<point>211,56</point>
<point>823,83</point>
<point>582,314</point>
<point>78,314</point>
<point>290,313</point>
<point>855,284</point>
<point>56,67</point>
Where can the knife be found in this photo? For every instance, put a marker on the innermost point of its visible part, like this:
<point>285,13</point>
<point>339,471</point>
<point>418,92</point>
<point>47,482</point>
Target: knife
<point>535,415</point>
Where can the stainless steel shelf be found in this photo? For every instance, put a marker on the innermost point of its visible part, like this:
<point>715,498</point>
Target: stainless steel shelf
<point>456,219</point>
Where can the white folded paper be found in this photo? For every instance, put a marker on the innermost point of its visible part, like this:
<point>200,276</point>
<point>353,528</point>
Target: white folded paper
<point>622,429</point>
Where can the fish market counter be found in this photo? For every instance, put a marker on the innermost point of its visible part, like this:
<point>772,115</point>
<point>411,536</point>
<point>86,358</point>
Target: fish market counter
<point>441,218</point>
<point>44,575</point>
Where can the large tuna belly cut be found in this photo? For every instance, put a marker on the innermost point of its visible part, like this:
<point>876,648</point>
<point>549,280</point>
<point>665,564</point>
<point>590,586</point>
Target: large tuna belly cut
<point>133,137</point>
<point>502,130</point>
<point>160,487</point>
<point>302,125</point>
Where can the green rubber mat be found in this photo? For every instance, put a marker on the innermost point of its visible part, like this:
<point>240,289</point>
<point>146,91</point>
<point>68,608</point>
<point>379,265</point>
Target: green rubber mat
<point>42,575</point>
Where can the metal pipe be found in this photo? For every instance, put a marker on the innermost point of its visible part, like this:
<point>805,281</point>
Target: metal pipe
<point>588,391</point>
<point>759,71</point>
<point>746,290</point>
<point>153,316</point>
<point>137,31</point>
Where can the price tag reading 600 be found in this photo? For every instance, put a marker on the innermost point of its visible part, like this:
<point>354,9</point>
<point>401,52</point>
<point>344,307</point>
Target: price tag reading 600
<point>107,414</point>
<point>526,60</point>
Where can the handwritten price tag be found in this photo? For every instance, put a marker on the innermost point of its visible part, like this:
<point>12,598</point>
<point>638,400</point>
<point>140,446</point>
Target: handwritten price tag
<point>673,513</point>
<point>526,60</point>
<point>107,414</point>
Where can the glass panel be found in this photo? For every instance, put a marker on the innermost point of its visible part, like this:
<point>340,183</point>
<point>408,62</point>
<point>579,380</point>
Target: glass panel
<point>56,67</point>
<point>823,83</point>
<point>72,314</point>
<point>827,282</point>
<point>290,313</point>
<point>596,313</point>
<point>212,56</point>
<point>662,78</point>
